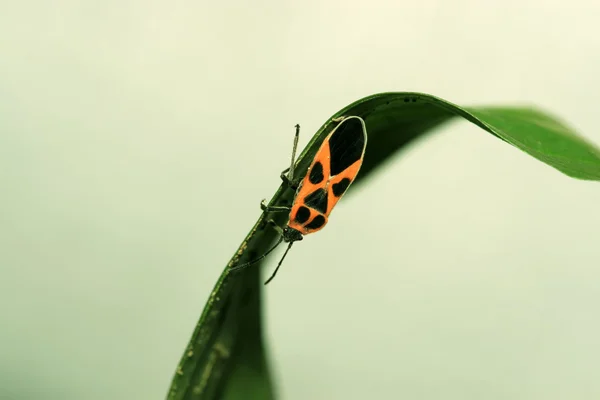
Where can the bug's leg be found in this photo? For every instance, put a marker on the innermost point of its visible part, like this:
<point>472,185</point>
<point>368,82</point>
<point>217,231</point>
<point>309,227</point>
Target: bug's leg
<point>265,207</point>
<point>287,180</point>
<point>281,238</point>
<point>276,227</point>
<point>284,176</point>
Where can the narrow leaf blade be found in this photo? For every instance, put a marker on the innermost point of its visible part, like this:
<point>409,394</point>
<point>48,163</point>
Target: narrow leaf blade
<point>226,356</point>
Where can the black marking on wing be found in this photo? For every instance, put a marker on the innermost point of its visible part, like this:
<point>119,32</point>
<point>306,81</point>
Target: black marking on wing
<point>316,223</point>
<point>340,187</point>
<point>317,200</point>
<point>346,145</point>
<point>316,173</point>
<point>302,215</point>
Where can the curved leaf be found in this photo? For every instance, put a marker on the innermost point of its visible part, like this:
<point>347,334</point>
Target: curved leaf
<point>226,357</point>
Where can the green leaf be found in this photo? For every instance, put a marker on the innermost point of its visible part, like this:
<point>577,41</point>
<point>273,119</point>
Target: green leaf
<point>225,358</point>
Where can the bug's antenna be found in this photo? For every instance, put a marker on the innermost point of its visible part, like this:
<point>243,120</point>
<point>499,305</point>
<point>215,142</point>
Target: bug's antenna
<point>280,261</point>
<point>238,267</point>
<point>291,173</point>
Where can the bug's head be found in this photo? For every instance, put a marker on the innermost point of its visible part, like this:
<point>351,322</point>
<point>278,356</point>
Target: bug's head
<point>291,235</point>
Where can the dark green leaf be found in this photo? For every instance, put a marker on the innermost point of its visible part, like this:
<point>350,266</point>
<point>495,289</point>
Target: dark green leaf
<point>226,356</point>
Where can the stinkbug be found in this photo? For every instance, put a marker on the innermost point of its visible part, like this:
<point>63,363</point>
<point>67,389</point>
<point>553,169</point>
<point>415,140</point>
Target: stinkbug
<point>331,172</point>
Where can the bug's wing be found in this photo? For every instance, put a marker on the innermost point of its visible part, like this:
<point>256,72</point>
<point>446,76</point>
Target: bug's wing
<point>347,146</point>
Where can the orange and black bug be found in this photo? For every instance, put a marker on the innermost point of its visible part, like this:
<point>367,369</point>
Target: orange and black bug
<point>333,169</point>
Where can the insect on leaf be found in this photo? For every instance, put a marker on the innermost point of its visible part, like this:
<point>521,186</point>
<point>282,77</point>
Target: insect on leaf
<point>225,358</point>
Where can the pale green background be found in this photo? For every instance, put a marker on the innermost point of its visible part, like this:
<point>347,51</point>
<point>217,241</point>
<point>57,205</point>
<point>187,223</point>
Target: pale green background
<point>138,137</point>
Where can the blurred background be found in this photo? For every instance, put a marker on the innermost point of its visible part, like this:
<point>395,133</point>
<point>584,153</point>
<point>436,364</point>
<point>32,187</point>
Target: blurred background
<point>138,137</point>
